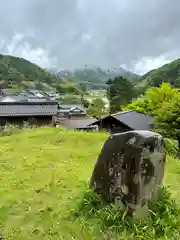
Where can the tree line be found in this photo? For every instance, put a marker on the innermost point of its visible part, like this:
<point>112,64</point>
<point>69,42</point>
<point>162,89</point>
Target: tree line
<point>162,102</point>
<point>120,91</point>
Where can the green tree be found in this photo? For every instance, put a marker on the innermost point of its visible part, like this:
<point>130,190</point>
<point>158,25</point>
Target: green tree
<point>153,99</point>
<point>97,108</point>
<point>60,88</point>
<point>164,104</point>
<point>83,87</point>
<point>39,86</point>
<point>120,92</point>
<point>84,101</point>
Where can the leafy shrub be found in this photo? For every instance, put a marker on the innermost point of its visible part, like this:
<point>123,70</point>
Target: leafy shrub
<point>162,103</point>
<point>171,146</point>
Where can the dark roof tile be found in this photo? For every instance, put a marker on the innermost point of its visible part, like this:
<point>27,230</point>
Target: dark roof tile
<point>135,120</point>
<point>76,123</point>
<point>27,109</point>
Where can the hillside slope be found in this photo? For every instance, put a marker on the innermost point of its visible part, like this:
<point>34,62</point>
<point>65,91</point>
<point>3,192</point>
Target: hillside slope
<point>43,172</point>
<point>18,72</point>
<point>168,73</point>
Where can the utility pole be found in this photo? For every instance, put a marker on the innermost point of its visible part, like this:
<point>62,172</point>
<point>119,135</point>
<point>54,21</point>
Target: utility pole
<point>108,98</point>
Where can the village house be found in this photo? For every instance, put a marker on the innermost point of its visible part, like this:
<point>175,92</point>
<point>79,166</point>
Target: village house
<point>74,116</point>
<point>125,121</point>
<point>69,110</point>
<point>39,109</point>
<point>20,109</point>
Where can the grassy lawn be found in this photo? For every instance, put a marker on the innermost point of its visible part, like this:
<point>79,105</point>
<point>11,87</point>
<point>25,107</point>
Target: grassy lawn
<point>42,173</point>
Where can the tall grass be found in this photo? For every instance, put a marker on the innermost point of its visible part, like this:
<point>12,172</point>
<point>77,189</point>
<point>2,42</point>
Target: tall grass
<point>162,222</point>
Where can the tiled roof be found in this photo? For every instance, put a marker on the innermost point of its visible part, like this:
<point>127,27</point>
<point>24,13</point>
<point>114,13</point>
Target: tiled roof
<point>76,123</point>
<point>8,109</point>
<point>133,119</point>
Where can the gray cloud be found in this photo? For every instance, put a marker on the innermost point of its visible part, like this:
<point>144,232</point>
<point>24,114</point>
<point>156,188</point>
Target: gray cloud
<point>107,33</point>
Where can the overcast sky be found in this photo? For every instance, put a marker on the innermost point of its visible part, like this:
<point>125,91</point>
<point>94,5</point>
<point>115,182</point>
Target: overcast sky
<point>136,34</point>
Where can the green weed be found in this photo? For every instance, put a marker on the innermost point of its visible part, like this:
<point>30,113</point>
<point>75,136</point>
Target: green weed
<point>162,222</point>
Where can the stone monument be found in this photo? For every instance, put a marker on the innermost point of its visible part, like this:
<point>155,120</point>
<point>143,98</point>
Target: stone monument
<point>130,170</point>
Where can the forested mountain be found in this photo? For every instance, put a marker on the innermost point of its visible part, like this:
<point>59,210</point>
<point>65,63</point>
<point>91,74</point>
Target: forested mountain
<point>18,73</point>
<point>167,73</point>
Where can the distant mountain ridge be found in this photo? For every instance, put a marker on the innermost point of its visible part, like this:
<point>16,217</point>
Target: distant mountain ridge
<point>94,76</point>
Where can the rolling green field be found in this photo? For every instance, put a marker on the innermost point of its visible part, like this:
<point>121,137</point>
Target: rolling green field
<point>43,175</point>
